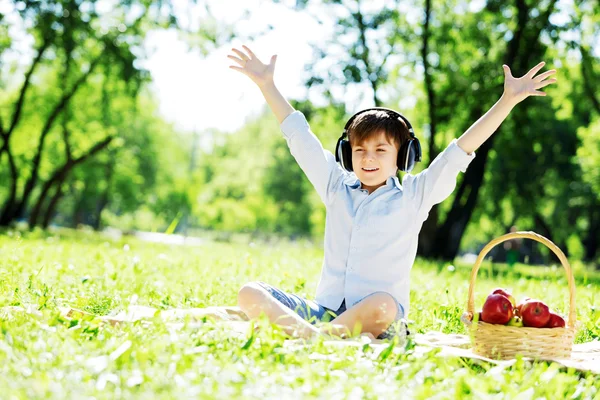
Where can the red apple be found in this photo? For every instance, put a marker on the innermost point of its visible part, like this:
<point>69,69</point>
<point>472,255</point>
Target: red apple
<point>555,321</point>
<point>535,313</point>
<point>520,304</point>
<point>497,309</point>
<point>505,293</point>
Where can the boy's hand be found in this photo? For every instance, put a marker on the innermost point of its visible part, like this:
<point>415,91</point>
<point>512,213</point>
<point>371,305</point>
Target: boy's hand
<point>515,91</point>
<point>518,89</point>
<point>252,67</point>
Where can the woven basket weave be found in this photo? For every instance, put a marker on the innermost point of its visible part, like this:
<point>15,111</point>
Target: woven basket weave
<point>504,342</point>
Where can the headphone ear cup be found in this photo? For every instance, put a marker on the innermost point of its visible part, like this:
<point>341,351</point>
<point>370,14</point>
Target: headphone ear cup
<point>410,158</point>
<point>403,154</point>
<point>409,154</point>
<point>338,151</point>
<point>347,155</point>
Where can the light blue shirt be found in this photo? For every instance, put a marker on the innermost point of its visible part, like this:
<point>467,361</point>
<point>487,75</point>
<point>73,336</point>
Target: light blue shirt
<point>370,240</point>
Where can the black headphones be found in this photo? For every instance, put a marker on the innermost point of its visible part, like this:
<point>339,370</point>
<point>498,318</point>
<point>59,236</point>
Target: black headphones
<point>408,155</point>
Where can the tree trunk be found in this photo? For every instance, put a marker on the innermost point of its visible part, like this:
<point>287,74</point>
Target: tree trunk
<point>62,173</point>
<point>448,236</point>
<point>21,205</point>
<point>430,226</point>
<point>105,198</point>
<point>8,210</point>
<point>78,209</point>
<point>56,180</point>
<point>544,229</point>
<point>592,240</point>
<point>52,206</point>
<point>16,117</point>
<point>100,206</point>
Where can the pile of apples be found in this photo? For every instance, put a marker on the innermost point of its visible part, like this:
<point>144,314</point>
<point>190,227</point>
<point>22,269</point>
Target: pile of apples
<point>500,308</point>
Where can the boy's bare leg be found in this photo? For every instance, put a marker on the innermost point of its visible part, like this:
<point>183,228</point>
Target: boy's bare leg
<point>254,299</point>
<point>374,315</point>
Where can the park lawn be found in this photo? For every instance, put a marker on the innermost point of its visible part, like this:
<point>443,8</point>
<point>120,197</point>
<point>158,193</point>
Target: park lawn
<point>54,358</point>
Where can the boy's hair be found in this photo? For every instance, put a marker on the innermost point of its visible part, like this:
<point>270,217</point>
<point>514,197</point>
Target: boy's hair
<point>371,122</point>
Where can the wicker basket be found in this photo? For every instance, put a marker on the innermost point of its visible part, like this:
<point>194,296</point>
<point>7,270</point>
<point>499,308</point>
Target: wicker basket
<point>504,342</point>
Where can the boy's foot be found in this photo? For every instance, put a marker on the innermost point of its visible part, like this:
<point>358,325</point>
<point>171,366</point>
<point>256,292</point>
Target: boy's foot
<point>398,331</point>
<point>401,332</point>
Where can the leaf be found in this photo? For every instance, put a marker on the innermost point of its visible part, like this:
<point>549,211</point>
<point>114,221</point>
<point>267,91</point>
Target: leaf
<point>387,351</point>
<point>173,224</point>
<point>248,343</point>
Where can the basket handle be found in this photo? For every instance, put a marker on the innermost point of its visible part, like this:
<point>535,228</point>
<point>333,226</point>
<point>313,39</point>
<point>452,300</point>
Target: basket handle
<point>529,235</point>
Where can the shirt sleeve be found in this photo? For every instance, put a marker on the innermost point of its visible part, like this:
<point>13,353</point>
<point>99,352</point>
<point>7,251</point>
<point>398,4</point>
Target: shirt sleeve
<point>318,164</point>
<point>434,184</point>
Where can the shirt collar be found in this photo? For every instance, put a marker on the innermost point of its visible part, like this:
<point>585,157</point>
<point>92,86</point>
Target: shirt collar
<point>395,182</point>
<point>353,182</point>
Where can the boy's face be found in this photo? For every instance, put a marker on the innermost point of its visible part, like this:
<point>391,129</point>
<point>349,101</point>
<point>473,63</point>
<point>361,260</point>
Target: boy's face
<point>374,161</point>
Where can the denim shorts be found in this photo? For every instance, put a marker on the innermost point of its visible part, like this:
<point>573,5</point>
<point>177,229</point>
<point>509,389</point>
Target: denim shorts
<point>313,312</point>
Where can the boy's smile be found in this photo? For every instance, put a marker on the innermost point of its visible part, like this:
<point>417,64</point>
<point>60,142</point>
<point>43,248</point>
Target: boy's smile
<point>374,161</point>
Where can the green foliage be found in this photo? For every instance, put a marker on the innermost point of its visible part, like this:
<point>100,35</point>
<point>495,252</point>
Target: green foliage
<point>589,155</point>
<point>540,173</point>
<point>79,90</point>
<point>287,186</point>
<point>252,182</point>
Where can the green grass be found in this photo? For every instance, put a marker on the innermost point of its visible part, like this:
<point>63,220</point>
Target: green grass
<point>53,358</point>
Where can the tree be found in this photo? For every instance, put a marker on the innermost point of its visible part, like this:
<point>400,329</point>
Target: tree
<point>364,44</point>
<point>77,44</point>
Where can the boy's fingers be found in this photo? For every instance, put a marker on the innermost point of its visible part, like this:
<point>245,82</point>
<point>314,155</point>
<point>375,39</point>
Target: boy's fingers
<point>538,93</point>
<point>239,61</point>
<point>241,54</point>
<point>540,85</point>
<point>535,69</point>
<point>242,70</point>
<point>249,51</point>
<point>237,68</point>
<point>545,75</point>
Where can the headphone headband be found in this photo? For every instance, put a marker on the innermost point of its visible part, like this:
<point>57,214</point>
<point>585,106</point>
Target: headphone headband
<point>389,110</point>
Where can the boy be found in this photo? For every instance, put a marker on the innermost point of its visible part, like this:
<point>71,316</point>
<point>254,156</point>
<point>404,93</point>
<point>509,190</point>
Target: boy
<point>373,222</point>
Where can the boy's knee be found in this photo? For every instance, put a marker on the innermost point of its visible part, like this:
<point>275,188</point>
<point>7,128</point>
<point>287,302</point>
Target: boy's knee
<point>249,294</point>
<point>385,307</point>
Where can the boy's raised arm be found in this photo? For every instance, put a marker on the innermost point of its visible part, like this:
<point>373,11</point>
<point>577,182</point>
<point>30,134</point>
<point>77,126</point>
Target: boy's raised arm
<point>318,164</point>
<point>515,91</point>
<point>262,75</point>
<point>437,182</point>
